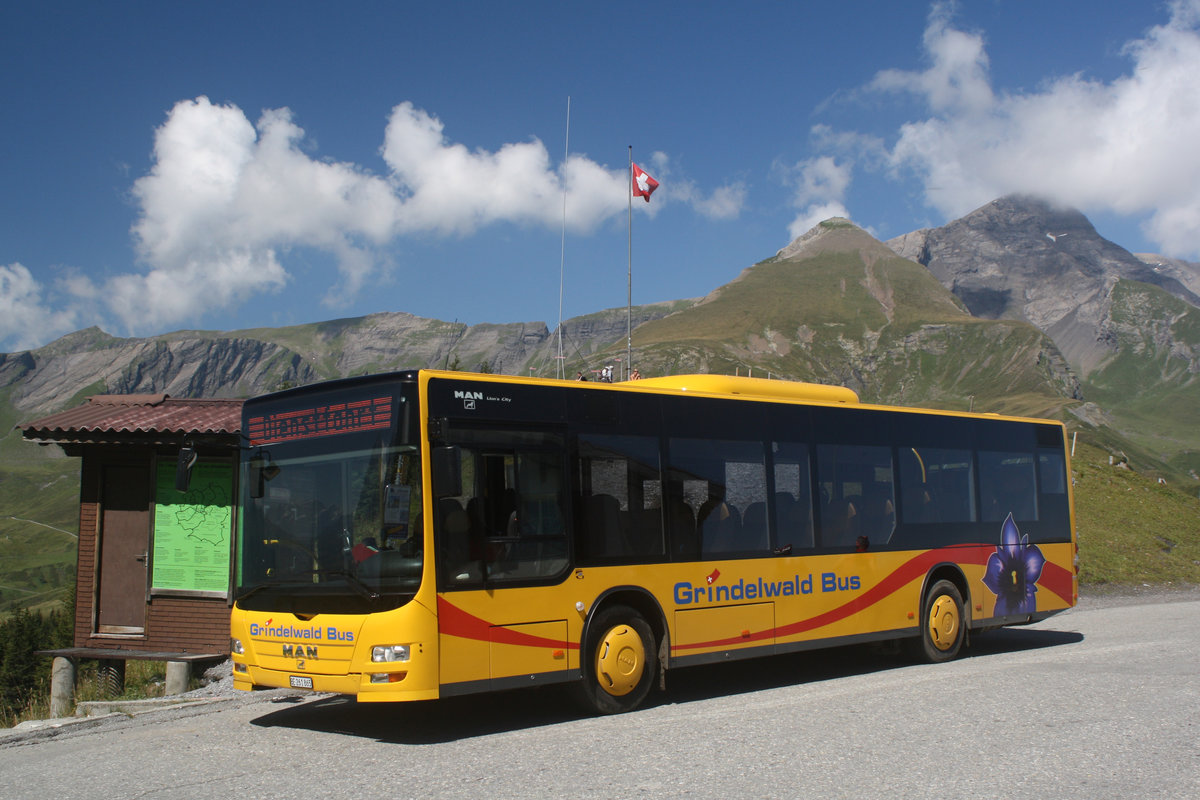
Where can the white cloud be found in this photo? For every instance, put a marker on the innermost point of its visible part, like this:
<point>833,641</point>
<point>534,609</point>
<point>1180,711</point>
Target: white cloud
<point>813,215</point>
<point>820,191</point>
<point>226,199</point>
<point>957,79</point>
<point>724,202</point>
<point>223,198</point>
<point>26,320</point>
<point>1126,146</point>
<point>450,189</point>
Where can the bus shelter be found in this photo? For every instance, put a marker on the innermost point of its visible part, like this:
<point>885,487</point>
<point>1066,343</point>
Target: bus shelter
<point>154,563</point>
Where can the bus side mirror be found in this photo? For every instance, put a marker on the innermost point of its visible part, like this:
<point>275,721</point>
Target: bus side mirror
<point>183,468</point>
<point>262,469</point>
<point>447,471</point>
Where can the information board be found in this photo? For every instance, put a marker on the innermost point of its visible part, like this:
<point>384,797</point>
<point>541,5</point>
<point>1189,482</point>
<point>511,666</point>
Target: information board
<point>192,530</point>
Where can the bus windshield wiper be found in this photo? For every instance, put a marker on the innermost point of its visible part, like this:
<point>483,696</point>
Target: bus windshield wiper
<point>352,580</point>
<point>256,588</point>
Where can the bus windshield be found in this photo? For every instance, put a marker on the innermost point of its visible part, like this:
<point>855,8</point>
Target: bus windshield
<point>326,531</point>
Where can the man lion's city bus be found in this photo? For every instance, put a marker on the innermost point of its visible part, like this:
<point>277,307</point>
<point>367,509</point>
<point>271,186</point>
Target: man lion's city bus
<point>426,534</point>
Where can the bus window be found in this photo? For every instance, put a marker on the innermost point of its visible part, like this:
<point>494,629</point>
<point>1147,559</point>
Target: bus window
<point>1052,469</point>
<point>1052,487</point>
<point>793,497</point>
<point>1006,486</point>
<point>508,525</point>
<point>937,485</point>
<point>619,499</point>
<point>858,500</point>
<point>719,481</point>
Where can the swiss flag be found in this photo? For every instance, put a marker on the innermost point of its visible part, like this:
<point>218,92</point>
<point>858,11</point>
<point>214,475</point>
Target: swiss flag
<point>643,184</point>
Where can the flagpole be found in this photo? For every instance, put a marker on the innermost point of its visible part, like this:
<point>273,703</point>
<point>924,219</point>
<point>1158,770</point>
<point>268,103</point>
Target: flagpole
<point>629,278</point>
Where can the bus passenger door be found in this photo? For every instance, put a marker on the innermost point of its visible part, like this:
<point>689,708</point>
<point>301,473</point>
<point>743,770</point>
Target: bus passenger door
<point>502,547</point>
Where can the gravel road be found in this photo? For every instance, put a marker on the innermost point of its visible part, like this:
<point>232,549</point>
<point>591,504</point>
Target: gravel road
<point>1097,702</point>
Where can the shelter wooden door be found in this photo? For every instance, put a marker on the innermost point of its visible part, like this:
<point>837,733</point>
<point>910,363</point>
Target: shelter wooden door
<point>124,547</point>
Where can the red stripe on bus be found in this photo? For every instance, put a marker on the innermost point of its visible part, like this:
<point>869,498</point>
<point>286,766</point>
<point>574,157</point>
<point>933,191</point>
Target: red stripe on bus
<point>907,572</point>
<point>453,621</point>
<point>1059,580</point>
<point>1054,578</point>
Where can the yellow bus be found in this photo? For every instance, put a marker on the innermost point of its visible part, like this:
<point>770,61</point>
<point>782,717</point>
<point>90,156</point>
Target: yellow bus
<point>424,534</point>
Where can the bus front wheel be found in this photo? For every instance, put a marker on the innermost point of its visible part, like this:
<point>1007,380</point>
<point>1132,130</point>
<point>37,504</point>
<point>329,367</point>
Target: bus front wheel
<point>943,625</point>
<point>619,661</point>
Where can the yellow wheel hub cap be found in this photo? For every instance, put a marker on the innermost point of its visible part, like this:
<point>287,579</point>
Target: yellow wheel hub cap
<point>620,660</point>
<point>943,623</point>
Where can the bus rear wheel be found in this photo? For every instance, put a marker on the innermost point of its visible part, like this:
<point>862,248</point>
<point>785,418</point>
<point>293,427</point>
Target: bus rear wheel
<point>619,661</point>
<point>943,625</point>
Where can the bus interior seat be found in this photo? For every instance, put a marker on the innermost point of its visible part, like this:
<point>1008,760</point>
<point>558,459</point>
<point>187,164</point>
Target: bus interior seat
<point>839,523</point>
<point>645,530</point>
<point>682,522</point>
<point>755,536</point>
<point>720,530</point>
<point>918,504</point>
<point>603,525</point>
<point>878,512</point>
<point>793,523</point>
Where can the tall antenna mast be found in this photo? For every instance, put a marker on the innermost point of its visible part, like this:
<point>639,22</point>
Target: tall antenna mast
<point>629,275</point>
<point>560,370</point>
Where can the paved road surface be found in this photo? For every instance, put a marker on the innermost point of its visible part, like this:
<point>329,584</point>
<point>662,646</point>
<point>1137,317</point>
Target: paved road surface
<point>1099,702</point>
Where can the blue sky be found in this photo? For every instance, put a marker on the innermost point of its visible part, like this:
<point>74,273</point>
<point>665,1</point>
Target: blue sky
<point>231,165</point>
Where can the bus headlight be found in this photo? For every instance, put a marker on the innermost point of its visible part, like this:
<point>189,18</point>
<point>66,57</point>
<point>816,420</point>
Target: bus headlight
<point>389,652</point>
<point>235,647</point>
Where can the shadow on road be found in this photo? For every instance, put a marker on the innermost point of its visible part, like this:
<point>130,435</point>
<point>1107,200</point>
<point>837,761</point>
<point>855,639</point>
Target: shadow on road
<point>457,718</point>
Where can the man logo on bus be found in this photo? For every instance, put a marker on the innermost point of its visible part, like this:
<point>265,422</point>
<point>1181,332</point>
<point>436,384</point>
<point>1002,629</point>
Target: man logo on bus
<point>1013,572</point>
<point>468,398</point>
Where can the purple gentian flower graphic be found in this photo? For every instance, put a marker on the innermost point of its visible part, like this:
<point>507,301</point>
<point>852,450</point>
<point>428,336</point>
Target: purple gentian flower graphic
<point>1013,571</point>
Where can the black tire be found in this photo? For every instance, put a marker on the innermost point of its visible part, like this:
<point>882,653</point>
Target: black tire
<point>943,624</point>
<point>619,659</point>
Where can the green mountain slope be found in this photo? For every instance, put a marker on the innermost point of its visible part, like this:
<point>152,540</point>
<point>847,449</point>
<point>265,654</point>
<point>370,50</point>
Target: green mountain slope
<point>1151,384</point>
<point>39,518</point>
<point>842,308</point>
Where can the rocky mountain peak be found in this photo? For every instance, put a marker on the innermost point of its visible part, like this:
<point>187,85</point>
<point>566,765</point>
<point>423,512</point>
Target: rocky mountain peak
<point>1023,257</point>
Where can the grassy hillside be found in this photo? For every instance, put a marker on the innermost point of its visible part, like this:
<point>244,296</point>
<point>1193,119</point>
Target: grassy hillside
<point>1132,529</point>
<point>39,518</point>
<point>1152,382</point>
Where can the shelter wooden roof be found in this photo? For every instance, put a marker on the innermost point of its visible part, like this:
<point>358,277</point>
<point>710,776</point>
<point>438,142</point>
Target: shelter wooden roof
<point>114,417</point>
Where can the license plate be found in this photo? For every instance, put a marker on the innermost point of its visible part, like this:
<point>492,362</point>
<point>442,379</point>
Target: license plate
<point>300,681</point>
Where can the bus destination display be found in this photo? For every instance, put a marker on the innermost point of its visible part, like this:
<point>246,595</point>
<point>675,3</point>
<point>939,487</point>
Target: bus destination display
<point>316,421</point>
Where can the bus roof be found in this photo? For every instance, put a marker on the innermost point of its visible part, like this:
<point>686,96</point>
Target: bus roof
<point>752,387</point>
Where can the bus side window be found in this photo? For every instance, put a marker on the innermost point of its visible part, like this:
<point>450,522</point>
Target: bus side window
<point>509,524</point>
<point>936,485</point>
<point>618,500</point>
<point>861,497</point>
<point>719,480</point>
<point>793,497</point>
<point>1006,486</point>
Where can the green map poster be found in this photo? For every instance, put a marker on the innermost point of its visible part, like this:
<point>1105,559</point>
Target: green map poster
<point>192,530</point>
